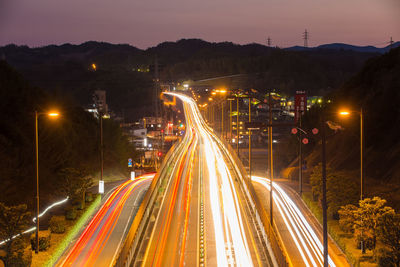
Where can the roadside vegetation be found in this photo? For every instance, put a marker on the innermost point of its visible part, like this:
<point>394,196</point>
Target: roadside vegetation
<point>68,165</point>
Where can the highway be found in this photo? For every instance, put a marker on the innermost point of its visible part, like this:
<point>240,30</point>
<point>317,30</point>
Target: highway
<point>202,218</point>
<point>297,227</point>
<point>99,243</point>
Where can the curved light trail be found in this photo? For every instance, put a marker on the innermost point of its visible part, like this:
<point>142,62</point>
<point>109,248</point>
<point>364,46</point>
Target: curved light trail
<point>229,234</point>
<point>87,249</point>
<point>303,235</point>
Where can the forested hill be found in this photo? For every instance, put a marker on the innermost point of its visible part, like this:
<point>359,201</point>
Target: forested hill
<point>69,142</point>
<point>67,67</point>
<point>375,89</point>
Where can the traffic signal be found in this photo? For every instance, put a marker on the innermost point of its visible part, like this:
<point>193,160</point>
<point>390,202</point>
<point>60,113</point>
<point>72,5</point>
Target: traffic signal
<point>159,154</point>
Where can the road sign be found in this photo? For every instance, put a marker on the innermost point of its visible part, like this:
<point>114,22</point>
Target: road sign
<point>101,187</point>
<point>129,162</point>
<point>133,175</point>
<point>300,104</point>
<point>254,125</point>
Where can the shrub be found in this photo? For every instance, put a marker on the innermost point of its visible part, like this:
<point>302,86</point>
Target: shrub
<point>71,213</point>
<point>22,258</point>
<point>44,240</point>
<point>57,224</point>
<point>384,258</point>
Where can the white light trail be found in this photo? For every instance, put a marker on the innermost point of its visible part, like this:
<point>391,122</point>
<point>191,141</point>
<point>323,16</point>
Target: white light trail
<point>227,218</point>
<point>34,220</point>
<point>307,242</point>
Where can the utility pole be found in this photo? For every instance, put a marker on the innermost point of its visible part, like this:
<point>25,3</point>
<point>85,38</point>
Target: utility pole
<point>37,182</point>
<point>305,38</point>
<point>324,203</point>
<point>270,161</point>
<point>391,43</point>
<point>249,140</point>
<point>237,126</point>
<point>300,161</point>
<point>269,41</point>
<point>230,122</point>
<point>230,119</point>
<point>222,119</point>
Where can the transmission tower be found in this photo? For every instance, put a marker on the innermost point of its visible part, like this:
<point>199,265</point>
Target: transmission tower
<point>305,37</point>
<point>269,42</point>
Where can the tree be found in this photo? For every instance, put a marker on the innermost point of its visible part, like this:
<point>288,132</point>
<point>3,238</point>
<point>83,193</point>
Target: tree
<point>341,189</point>
<point>389,235</point>
<point>74,183</point>
<point>13,220</point>
<point>368,218</point>
<point>347,218</point>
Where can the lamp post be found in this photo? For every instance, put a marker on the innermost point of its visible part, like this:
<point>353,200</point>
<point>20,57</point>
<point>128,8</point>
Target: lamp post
<point>249,139</point>
<point>37,115</point>
<point>347,113</point>
<point>237,126</point>
<point>101,182</point>
<point>324,203</point>
<point>230,119</point>
<point>222,120</point>
<point>270,161</point>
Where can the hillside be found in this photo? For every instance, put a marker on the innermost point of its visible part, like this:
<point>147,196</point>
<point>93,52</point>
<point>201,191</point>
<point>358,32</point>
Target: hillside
<point>70,141</point>
<point>67,68</point>
<point>376,89</point>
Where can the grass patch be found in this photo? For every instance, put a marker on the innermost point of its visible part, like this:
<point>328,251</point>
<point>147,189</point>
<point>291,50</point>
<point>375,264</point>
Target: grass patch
<point>59,242</point>
<point>345,241</point>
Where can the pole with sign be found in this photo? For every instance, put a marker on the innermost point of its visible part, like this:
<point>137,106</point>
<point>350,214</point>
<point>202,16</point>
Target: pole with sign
<point>300,105</point>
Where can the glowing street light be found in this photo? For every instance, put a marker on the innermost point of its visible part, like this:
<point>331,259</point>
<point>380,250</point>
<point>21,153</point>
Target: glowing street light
<point>37,115</point>
<point>53,114</point>
<point>344,113</point>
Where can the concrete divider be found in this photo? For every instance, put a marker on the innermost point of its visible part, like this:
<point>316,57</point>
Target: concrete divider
<point>280,257</point>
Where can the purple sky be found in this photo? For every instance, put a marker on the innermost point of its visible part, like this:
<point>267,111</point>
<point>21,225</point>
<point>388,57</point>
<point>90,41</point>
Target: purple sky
<point>144,23</point>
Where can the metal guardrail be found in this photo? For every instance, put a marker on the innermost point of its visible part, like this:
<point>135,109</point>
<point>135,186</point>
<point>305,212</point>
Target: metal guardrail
<point>262,217</point>
<point>136,231</point>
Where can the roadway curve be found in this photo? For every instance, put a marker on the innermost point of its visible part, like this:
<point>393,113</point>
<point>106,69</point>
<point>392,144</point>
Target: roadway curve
<point>202,218</point>
<point>100,241</point>
<point>300,232</point>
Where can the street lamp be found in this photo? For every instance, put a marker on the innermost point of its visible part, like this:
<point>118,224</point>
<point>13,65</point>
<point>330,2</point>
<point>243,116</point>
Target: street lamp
<point>346,113</point>
<point>230,119</point>
<point>37,115</point>
<point>249,132</point>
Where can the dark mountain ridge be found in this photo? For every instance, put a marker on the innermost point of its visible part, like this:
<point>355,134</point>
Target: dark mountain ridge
<point>67,68</point>
<point>342,46</point>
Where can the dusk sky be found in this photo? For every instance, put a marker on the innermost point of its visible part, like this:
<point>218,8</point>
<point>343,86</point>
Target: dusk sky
<point>145,23</point>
